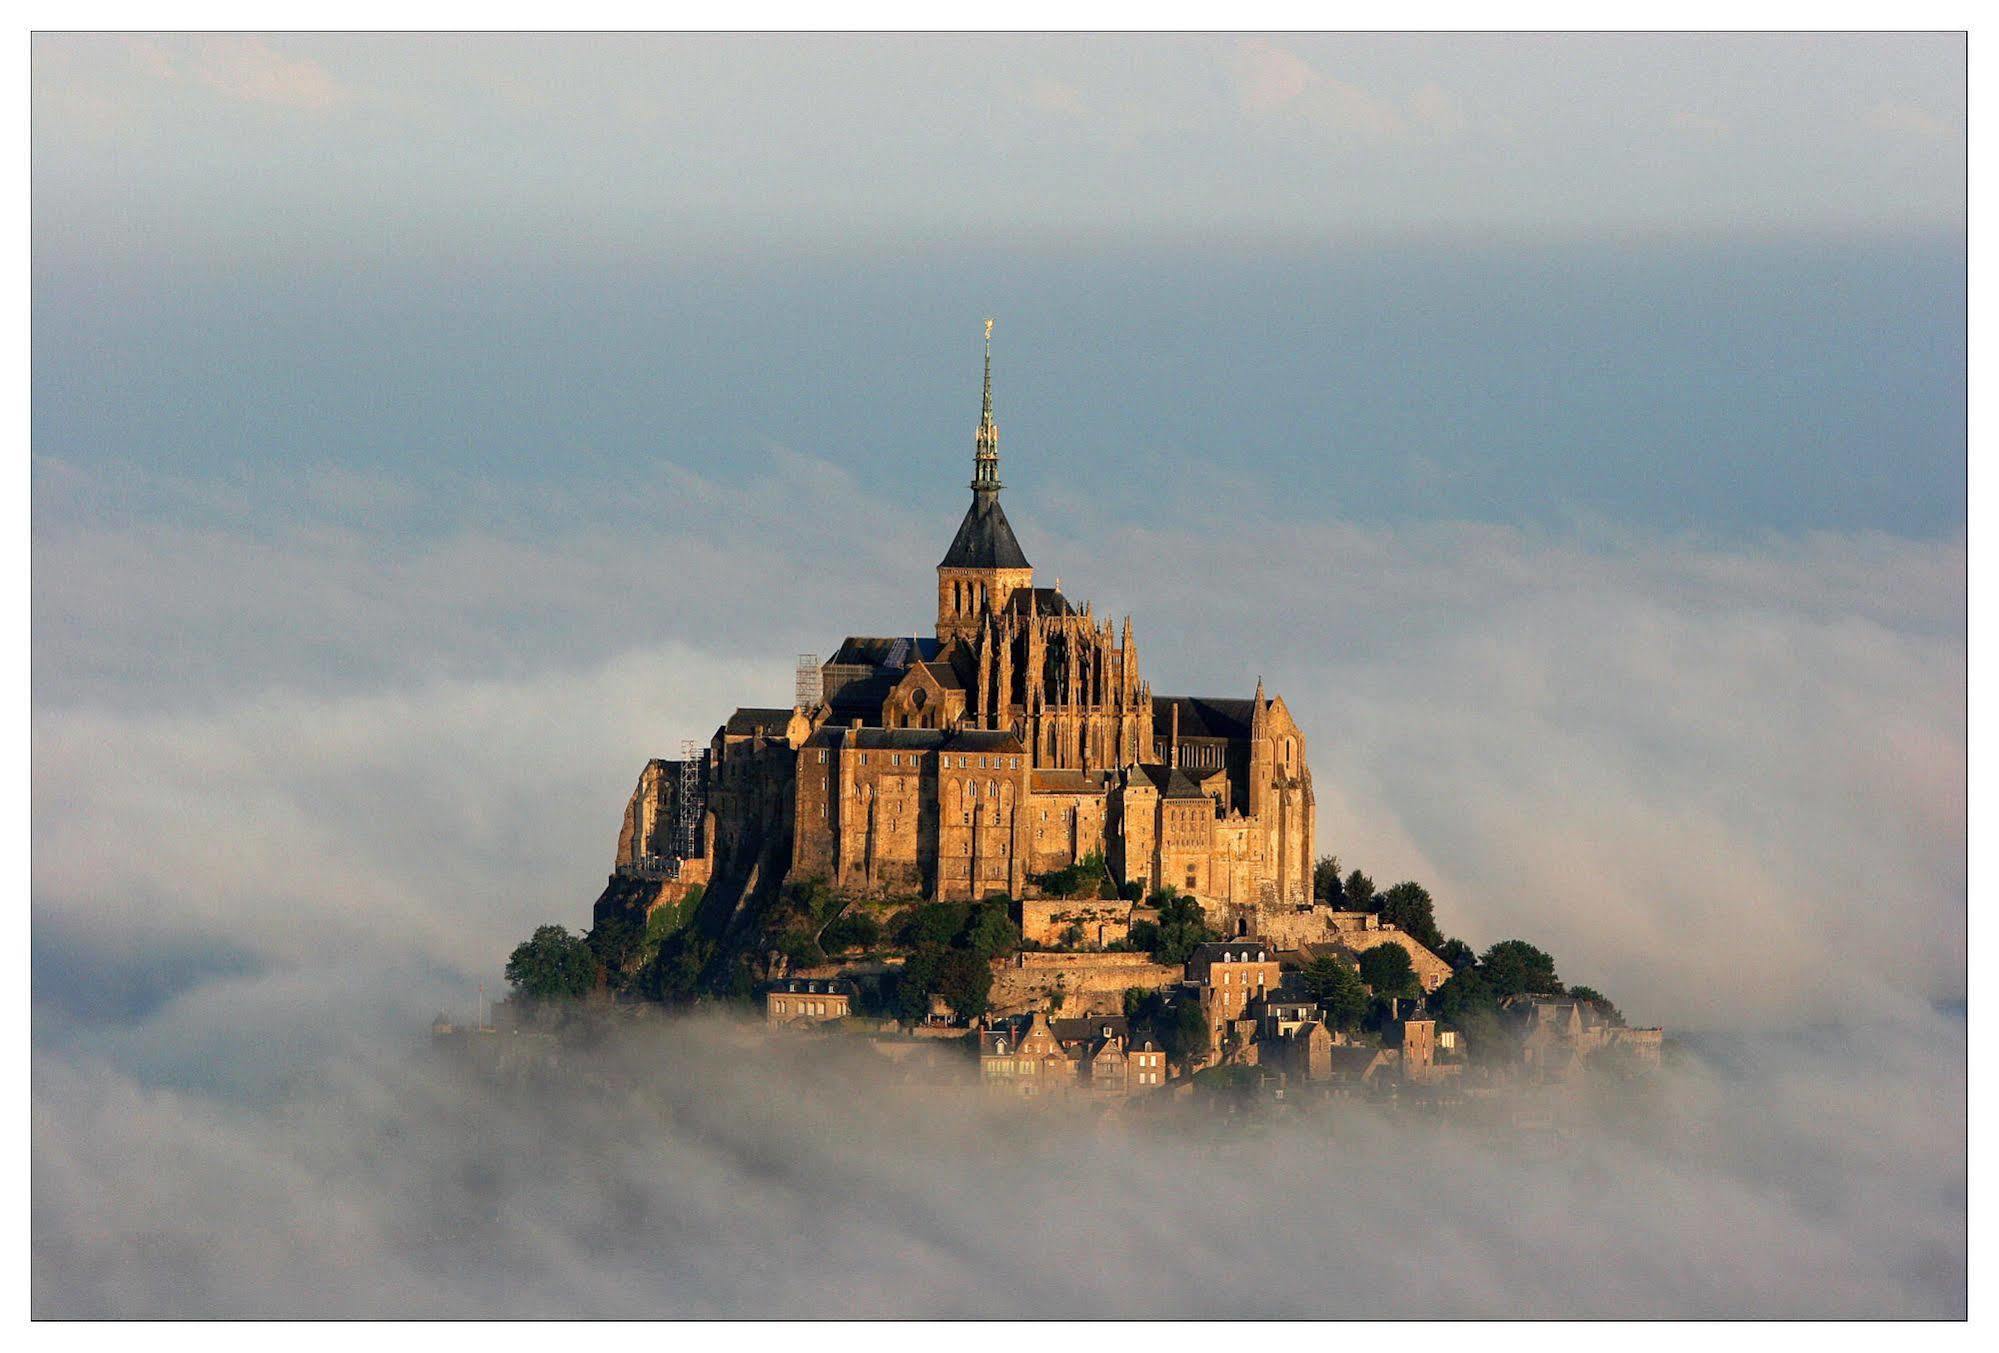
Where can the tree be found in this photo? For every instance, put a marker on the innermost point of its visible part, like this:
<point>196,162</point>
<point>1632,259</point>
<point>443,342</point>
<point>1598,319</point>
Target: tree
<point>552,965</point>
<point>1515,967</point>
<point>965,981</point>
<point>1408,906</point>
<point>1326,880</point>
<point>1182,925</point>
<point>1602,1003</point>
<point>615,943</point>
<point>1359,892</point>
<point>932,923</point>
<point>1387,971</point>
<point>1337,987</point>
<point>991,932</point>
<point>1185,1035</point>
<point>850,930</point>
<point>1458,954</point>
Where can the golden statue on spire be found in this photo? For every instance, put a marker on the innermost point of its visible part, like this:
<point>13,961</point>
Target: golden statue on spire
<point>989,330</point>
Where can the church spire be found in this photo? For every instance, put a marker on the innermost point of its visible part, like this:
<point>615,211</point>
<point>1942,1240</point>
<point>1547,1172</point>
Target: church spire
<point>985,459</point>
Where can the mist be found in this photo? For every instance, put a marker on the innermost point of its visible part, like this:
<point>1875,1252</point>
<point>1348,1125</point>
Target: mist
<point>706,1169</point>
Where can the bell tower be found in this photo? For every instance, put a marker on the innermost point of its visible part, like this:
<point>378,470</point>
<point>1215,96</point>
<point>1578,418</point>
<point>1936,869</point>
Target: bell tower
<point>984,565</point>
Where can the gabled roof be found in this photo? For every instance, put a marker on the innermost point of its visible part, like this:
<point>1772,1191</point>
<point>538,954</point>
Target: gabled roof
<point>984,539</point>
<point>1174,783</point>
<point>945,675</point>
<point>1203,716</point>
<point>1088,1030</point>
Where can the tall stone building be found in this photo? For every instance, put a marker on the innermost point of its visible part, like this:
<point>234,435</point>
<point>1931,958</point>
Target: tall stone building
<point>1017,739</point>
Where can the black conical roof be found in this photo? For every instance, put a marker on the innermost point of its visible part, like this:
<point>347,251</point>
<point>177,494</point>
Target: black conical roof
<point>984,538</point>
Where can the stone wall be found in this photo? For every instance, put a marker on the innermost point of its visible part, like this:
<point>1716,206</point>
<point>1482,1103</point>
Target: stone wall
<point>1044,920</point>
<point>1091,984</point>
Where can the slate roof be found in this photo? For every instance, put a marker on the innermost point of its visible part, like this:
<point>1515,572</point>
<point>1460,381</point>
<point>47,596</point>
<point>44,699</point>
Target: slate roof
<point>1174,783</point>
<point>1039,601</point>
<point>863,699</point>
<point>916,739</point>
<point>1241,950</point>
<point>1088,1030</point>
<point>1203,716</point>
<point>1347,1060</point>
<point>804,986</point>
<point>984,539</point>
<point>945,675</point>
<point>746,721</point>
<point>872,650</point>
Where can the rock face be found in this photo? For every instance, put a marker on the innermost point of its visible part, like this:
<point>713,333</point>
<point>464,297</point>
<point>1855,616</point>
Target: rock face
<point>649,807</point>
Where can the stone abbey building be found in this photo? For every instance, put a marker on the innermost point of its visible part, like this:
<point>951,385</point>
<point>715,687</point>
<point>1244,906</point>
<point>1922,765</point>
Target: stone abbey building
<point>1017,739</point>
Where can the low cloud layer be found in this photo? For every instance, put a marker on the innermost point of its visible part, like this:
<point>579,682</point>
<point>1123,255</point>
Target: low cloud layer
<point>1722,783</point>
<point>307,764</point>
<point>700,1172</point>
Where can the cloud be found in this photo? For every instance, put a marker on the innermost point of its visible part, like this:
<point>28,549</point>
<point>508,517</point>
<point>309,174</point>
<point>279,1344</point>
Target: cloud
<point>241,68</point>
<point>307,764</point>
<point>655,1177</point>
<point>1707,778</point>
<point>1909,119</point>
<point>1275,85</point>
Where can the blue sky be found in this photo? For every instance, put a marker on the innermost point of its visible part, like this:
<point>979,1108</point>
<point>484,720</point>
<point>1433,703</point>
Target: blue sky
<point>1702,283</point>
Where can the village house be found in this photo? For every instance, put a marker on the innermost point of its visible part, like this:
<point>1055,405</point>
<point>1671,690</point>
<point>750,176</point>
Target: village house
<point>808,1001</point>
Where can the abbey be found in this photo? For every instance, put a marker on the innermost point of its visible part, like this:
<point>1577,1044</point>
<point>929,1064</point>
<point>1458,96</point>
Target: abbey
<point>1018,738</point>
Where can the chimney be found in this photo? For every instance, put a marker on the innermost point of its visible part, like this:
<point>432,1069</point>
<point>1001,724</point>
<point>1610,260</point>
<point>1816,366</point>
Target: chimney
<point>1173,738</point>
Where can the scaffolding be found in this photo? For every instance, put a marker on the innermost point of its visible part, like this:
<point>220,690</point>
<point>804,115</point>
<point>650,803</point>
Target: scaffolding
<point>805,689</point>
<point>687,801</point>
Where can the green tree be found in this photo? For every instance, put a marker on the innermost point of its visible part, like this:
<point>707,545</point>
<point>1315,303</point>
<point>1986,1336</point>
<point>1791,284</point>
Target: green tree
<point>932,923</point>
<point>1457,953</point>
<point>991,931</point>
<point>1602,1003</point>
<point>1337,987</point>
<point>850,930</point>
<point>1326,880</point>
<point>1408,905</point>
<point>1182,925</point>
<point>552,965</point>
<point>616,942</point>
<point>1359,892</point>
<point>1515,967</point>
<point>1184,1034</point>
<point>1387,971</point>
<point>965,981</point>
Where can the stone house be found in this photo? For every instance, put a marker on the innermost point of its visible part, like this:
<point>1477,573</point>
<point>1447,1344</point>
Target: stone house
<point>808,1001</point>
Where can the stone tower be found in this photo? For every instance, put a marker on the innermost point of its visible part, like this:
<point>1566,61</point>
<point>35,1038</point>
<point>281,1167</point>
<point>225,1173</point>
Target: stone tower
<point>984,565</point>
